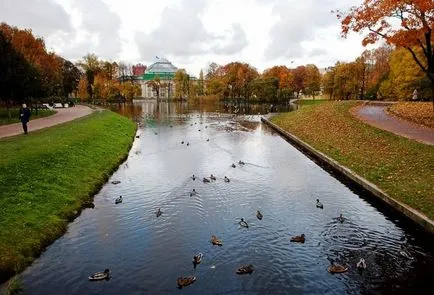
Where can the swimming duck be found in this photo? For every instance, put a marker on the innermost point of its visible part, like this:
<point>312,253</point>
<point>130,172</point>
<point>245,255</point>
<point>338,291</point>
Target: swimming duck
<point>216,241</point>
<point>298,239</point>
<point>193,177</point>
<point>259,215</point>
<point>118,200</point>
<point>206,126</point>
<point>188,143</point>
<point>243,223</point>
<point>207,139</point>
<point>137,136</point>
<point>159,212</point>
<point>233,165</point>
<point>185,281</point>
<point>319,204</point>
<point>199,129</point>
<point>182,142</point>
<point>155,133</point>
<point>213,177</point>
<point>193,193</point>
<point>337,268</point>
<point>171,126</point>
<point>197,259</point>
<point>206,180</point>
<point>227,179</point>
<point>101,275</point>
<point>361,265</point>
<point>241,162</point>
<point>116,181</point>
<point>340,218</point>
<point>245,269</point>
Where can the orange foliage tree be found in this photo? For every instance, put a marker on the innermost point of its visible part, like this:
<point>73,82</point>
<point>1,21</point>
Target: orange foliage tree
<point>416,22</point>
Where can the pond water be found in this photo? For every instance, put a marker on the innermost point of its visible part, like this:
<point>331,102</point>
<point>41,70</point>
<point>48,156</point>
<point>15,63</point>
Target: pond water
<point>147,254</point>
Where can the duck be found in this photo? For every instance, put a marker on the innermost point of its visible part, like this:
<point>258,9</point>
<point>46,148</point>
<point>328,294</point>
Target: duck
<point>118,200</point>
<point>197,259</point>
<point>227,179</point>
<point>182,142</point>
<point>193,177</point>
<point>185,281</point>
<point>259,215</point>
<point>298,239</point>
<point>233,165</point>
<point>245,269</point>
<point>241,162</point>
<point>155,133</point>
<point>361,265</point>
<point>319,204</point>
<point>216,241</point>
<point>206,180</point>
<point>101,275</point>
<point>213,177</point>
<point>207,139</point>
<point>188,143</point>
<point>116,181</point>
<point>159,212</point>
<point>171,126</point>
<point>340,218</point>
<point>137,136</point>
<point>198,129</point>
<point>193,193</point>
<point>243,223</point>
<point>337,268</point>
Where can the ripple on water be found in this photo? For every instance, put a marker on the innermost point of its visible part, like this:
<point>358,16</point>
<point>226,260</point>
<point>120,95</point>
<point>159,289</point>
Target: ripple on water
<point>146,254</point>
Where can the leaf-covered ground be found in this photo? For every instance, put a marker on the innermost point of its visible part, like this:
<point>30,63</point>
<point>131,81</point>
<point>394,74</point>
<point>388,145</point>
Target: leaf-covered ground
<point>48,174</point>
<point>417,112</point>
<point>401,167</point>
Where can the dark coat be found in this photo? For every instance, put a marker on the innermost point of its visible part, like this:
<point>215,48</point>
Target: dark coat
<point>24,115</point>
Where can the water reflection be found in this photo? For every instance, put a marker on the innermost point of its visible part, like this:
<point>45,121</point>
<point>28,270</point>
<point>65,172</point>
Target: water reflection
<point>147,254</point>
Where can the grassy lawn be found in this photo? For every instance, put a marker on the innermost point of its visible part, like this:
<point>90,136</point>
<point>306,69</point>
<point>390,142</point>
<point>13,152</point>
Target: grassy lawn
<point>417,112</point>
<point>49,174</point>
<point>306,102</point>
<point>401,167</point>
<point>4,117</point>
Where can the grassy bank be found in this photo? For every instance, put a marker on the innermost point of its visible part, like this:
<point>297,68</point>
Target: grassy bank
<point>4,115</point>
<point>401,167</point>
<point>46,176</point>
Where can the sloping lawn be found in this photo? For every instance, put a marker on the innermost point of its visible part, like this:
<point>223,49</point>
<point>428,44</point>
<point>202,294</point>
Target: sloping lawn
<point>46,176</point>
<point>401,167</point>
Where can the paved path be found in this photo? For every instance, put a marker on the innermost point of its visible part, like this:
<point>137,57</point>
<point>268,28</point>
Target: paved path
<point>62,116</point>
<point>376,115</point>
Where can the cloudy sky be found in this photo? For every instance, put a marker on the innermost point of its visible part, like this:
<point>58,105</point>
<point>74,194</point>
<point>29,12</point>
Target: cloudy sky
<point>190,33</point>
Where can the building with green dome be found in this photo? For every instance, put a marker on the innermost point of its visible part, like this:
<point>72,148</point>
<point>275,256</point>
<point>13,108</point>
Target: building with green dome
<point>165,71</point>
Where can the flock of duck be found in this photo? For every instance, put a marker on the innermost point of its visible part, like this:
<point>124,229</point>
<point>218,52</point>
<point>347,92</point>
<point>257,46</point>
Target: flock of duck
<point>244,269</point>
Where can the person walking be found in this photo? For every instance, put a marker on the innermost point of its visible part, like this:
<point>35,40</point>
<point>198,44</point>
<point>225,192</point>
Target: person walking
<point>24,117</point>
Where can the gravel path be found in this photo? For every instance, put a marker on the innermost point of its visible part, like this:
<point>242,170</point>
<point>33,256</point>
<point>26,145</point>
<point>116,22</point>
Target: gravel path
<point>376,115</point>
<point>62,116</point>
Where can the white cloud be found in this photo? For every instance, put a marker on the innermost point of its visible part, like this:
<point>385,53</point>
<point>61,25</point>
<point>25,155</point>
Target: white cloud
<point>191,33</point>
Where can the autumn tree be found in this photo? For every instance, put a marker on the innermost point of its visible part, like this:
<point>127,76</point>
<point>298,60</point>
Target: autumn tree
<point>299,79</point>
<point>285,80</point>
<point>312,80</point>
<point>404,23</point>
<point>405,76</point>
<point>91,66</point>
<point>155,85</point>
<point>200,84</point>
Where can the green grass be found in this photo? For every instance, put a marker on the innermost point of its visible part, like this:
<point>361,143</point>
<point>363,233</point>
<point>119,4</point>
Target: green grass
<point>46,176</point>
<point>305,102</point>
<point>401,167</point>
<point>13,287</point>
<point>4,116</point>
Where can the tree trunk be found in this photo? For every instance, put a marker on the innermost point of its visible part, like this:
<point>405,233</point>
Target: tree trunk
<point>432,95</point>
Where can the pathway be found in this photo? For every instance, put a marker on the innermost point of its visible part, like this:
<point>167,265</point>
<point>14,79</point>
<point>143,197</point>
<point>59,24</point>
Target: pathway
<point>376,116</point>
<point>62,116</point>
